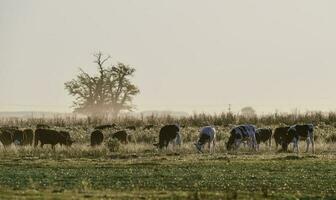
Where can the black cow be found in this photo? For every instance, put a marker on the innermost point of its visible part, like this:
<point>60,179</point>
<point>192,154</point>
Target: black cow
<point>6,137</point>
<point>295,133</point>
<point>169,133</point>
<point>264,135</point>
<point>108,126</point>
<point>148,127</point>
<point>279,134</point>
<point>17,136</point>
<point>97,138</point>
<point>122,136</point>
<point>52,137</point>
<point>240,134</point>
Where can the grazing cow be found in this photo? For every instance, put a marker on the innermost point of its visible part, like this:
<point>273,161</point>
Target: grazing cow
<point>207,135</point>
<point>296,132</point>
<point>148,127</point>
<point>264,135</point>
<point>240,134</point>
<point>279,134</point>
<point>17,136</point>
<point>108,126</point>
<point>133,128</point>
<point>122,136</point>
<point>28,137</point>
<point>169,133</point>
<point>42,126</point>
<point>6,137</point>
<point>97,138</point>
<point>52,137</point>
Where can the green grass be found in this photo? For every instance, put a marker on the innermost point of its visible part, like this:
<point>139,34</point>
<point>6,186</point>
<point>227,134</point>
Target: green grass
<point>163,175</point>
<point>138,170</point>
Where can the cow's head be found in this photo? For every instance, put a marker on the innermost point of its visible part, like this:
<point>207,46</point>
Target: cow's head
<point>69,142</point>
<point>231,141</point>
<point>199,146</point>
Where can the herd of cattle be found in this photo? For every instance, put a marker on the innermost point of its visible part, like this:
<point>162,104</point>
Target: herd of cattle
<point>246,134</point>
<point>243,134</point>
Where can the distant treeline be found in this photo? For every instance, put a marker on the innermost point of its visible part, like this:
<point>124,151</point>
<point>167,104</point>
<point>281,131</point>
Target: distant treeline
<point>223,119</point>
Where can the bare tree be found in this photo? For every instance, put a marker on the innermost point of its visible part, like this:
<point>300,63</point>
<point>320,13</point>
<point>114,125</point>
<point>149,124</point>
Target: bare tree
<point>106,93</point>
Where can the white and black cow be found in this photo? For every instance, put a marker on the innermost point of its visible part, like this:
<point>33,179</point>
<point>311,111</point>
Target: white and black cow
<point>207,135</point>
<point>295,133</point>
<point>264,135</point>
<point>240,134</point>
<point>169,133</point>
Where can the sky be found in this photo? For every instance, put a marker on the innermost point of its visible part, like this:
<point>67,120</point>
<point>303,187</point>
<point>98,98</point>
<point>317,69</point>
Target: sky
<point>190,55</point>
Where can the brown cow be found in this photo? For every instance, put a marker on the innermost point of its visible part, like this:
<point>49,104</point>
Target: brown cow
<point>52,137</point>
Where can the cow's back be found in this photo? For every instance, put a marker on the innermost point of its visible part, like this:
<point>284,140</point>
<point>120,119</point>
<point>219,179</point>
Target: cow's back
<point>47,136</point>
<point>169,132</point>
<point>303,130</point>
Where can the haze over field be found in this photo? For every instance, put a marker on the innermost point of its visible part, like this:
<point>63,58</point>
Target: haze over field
<point>189,55</point>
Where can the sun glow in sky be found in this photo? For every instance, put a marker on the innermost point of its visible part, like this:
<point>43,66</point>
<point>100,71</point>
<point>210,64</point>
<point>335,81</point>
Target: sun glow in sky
<point>190,55</point>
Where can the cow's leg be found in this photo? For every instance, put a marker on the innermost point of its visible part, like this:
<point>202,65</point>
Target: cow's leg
<point>253,142</point>
<point>311,135</point>
<point>308,142</point>
<point>165,144</point>
<point>237,144</point>
<point>296,145</point>
<point>270,143</point>
<point>213,145</point>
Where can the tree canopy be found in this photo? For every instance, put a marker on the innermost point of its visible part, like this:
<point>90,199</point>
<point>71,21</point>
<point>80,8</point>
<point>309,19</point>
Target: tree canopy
<point>106,93</point>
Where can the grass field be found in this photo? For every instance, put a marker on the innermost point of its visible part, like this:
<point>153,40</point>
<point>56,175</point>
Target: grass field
<point>138,170</point>
<point>170,175</point>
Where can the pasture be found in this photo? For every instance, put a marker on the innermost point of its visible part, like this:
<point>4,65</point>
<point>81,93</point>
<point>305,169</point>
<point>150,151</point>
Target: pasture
<point>169,175</point>
<point>139,170</point>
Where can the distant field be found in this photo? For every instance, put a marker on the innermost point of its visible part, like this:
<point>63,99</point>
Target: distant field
<point>171,175</point>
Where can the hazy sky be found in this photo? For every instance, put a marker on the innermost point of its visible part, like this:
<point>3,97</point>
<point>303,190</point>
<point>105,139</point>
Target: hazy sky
<point>189,55</point>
